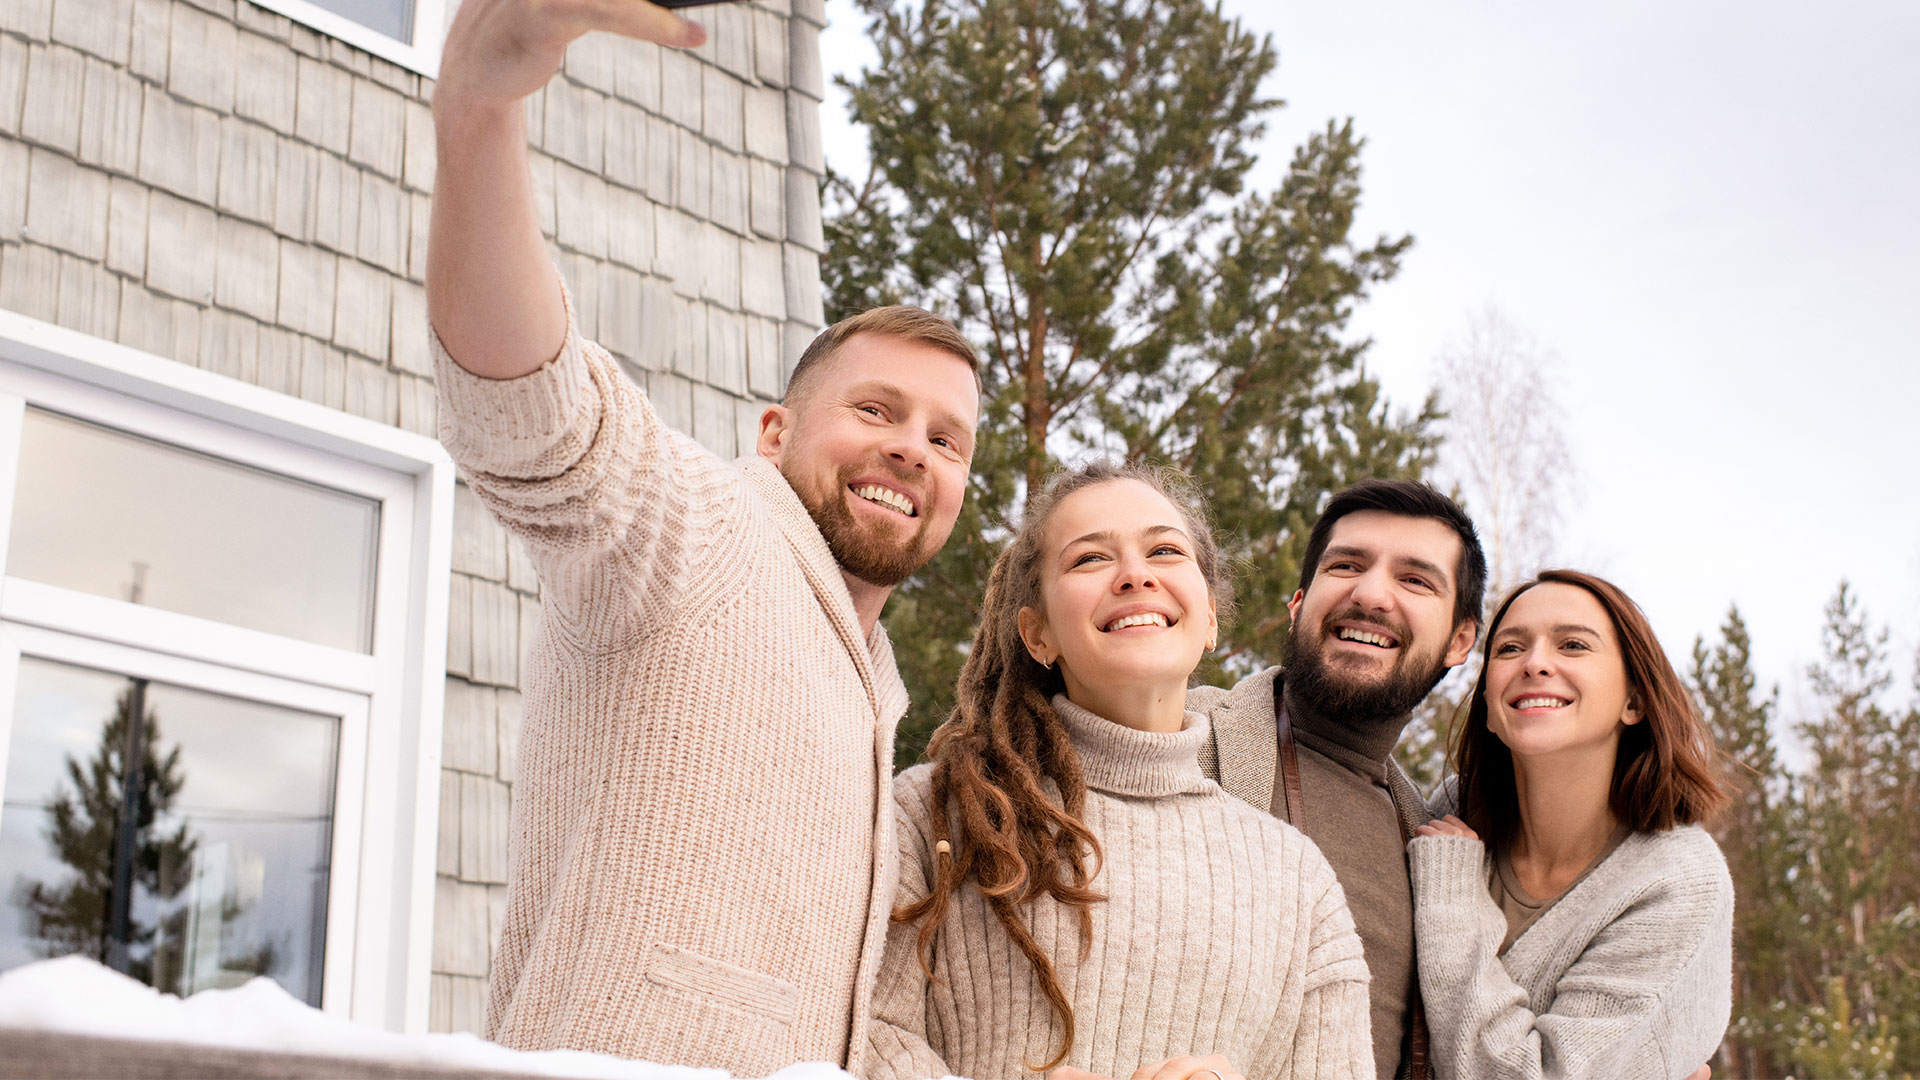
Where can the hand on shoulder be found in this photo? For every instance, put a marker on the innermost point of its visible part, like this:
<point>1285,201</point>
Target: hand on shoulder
<point>1447,826</point>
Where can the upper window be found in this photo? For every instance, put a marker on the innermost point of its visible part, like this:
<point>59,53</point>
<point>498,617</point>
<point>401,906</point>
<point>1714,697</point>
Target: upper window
<point>222,657</point>
<point>394,18</point>
<point>191,533</point>
<point>407,32</point>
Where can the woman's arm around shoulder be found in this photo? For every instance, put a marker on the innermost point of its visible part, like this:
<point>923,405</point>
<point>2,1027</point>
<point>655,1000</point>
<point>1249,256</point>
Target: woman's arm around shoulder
<point>1644,985</point>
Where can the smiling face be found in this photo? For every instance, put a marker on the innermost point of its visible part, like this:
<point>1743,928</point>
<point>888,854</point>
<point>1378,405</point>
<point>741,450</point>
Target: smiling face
<point>1374,630</point>
<point>1556,682</point>
<point>1125,609</point>
<point>877,449</point>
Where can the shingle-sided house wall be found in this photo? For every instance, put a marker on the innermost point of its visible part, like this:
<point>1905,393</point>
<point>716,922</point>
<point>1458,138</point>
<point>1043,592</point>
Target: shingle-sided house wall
<point>223,187</point>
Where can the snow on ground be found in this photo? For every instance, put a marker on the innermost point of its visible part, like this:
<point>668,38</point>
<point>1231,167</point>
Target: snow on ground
<point>74,994</point>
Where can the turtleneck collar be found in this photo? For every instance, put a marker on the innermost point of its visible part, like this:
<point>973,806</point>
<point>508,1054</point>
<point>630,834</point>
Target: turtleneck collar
<point>1117,759</point>
<point>1362,747</point>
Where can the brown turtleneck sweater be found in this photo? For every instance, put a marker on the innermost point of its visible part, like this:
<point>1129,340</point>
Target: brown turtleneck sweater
<point>1349,814</point>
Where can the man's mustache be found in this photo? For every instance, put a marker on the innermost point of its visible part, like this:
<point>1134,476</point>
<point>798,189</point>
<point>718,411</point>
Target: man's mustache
<point>1355,615</point>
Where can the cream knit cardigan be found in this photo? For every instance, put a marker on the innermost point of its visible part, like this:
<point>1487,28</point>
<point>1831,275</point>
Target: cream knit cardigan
<point>1629,975</point>
<point>701,856</point>
<point>1223,931</point>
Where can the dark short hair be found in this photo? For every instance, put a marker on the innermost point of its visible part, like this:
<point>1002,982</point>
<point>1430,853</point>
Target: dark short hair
<point>896,320</point>
<point>1407,499</point>
<point>1667,770</point>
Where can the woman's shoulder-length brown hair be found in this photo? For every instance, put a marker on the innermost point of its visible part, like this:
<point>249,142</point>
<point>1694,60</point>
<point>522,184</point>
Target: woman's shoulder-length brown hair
<point>1667,772</point>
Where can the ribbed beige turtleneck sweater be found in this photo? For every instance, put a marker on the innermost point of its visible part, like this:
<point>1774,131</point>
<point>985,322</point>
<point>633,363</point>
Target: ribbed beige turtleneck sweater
<point>1224,931</point>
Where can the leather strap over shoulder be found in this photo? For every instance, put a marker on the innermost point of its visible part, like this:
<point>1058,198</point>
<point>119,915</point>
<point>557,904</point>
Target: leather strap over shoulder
<point>1290,767</point>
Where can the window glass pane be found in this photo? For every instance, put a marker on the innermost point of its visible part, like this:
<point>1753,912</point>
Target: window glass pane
<point>101,511</point>
<point>393,18</point>
<point>225,857</point>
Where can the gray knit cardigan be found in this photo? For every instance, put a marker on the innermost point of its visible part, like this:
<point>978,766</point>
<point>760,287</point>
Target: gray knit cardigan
<point>1628,975</point>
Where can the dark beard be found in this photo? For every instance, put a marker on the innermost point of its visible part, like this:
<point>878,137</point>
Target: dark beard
<point>873,559</point>
<point>1343,699</point>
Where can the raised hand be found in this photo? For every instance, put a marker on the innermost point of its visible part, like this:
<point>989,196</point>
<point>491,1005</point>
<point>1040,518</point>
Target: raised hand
<point>499,51</point>
<point>491,292</point>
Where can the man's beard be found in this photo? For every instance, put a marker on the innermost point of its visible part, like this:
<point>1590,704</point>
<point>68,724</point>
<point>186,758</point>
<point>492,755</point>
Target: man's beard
<point>1351,698</point>
<point>861,550</point>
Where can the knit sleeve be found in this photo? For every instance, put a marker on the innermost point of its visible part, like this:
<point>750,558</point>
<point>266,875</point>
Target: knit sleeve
<point>612,505</point>
<point>1333,1037</point>
<point>1638,1001</point>
<point>898,1043</point>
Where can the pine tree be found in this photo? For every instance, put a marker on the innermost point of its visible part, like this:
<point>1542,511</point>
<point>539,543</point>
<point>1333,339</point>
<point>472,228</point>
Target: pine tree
<point>1897,945</point>
<point>1067,180</point>
<point>1857,937</point>
<point>1752,834</point>
<point>75,916</point>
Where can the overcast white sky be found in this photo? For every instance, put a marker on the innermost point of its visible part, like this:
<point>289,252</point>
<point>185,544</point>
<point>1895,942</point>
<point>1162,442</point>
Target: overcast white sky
<point>1709,211</point>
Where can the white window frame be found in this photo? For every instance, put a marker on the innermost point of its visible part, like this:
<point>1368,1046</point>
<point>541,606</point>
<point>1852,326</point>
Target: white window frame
<point>377,968</point>
<point>338,965</point>
<point>422,54</point>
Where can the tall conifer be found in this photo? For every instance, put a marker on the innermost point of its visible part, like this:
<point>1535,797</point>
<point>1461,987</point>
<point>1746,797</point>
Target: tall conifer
<point>1068,180</point>
<point>1855,949</point>
<point>1752,834</point>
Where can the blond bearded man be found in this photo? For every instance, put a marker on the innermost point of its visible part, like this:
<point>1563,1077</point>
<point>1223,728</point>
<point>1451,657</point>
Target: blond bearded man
<point>701,854</point>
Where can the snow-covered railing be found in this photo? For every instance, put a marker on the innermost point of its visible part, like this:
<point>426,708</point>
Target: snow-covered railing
<point>72,1017</point>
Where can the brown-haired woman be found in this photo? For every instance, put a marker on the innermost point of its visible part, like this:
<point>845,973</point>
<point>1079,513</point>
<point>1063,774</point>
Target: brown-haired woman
<point>1072,889</point>
<point>1591,935</point>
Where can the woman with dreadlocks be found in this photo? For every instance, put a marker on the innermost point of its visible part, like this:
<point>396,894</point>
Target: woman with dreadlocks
<point>1073,890</point>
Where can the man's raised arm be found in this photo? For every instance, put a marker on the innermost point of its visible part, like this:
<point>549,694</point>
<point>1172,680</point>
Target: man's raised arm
<point>491,292</point>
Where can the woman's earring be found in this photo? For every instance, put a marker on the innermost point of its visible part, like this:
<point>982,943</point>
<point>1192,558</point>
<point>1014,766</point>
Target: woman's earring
<point>1048,664</point>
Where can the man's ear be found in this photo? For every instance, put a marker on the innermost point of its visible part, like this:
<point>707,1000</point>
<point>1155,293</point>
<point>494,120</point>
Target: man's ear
<point>1293,604</point>
<point>776,427</point>
<point>1462,644</point>
<point>1033,632</point>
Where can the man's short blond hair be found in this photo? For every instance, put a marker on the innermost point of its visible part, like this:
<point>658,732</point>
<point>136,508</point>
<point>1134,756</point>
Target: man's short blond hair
<point>897,320</point>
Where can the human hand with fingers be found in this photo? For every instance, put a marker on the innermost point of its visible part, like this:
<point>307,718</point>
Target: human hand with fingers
<point>1446,826</point>
<point>499,51</point>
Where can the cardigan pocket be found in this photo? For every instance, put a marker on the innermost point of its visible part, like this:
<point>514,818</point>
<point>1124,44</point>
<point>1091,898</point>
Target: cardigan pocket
<point>721,984</point>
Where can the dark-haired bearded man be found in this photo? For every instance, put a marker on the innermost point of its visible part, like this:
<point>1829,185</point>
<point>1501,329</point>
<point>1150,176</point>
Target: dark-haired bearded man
<point>1389,601</point>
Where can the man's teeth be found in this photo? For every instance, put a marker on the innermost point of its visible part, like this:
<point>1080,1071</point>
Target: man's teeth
<point>1539,703</point>
<point>886,497</point>
<point>1145,618</point>
<point>1367,637</point>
